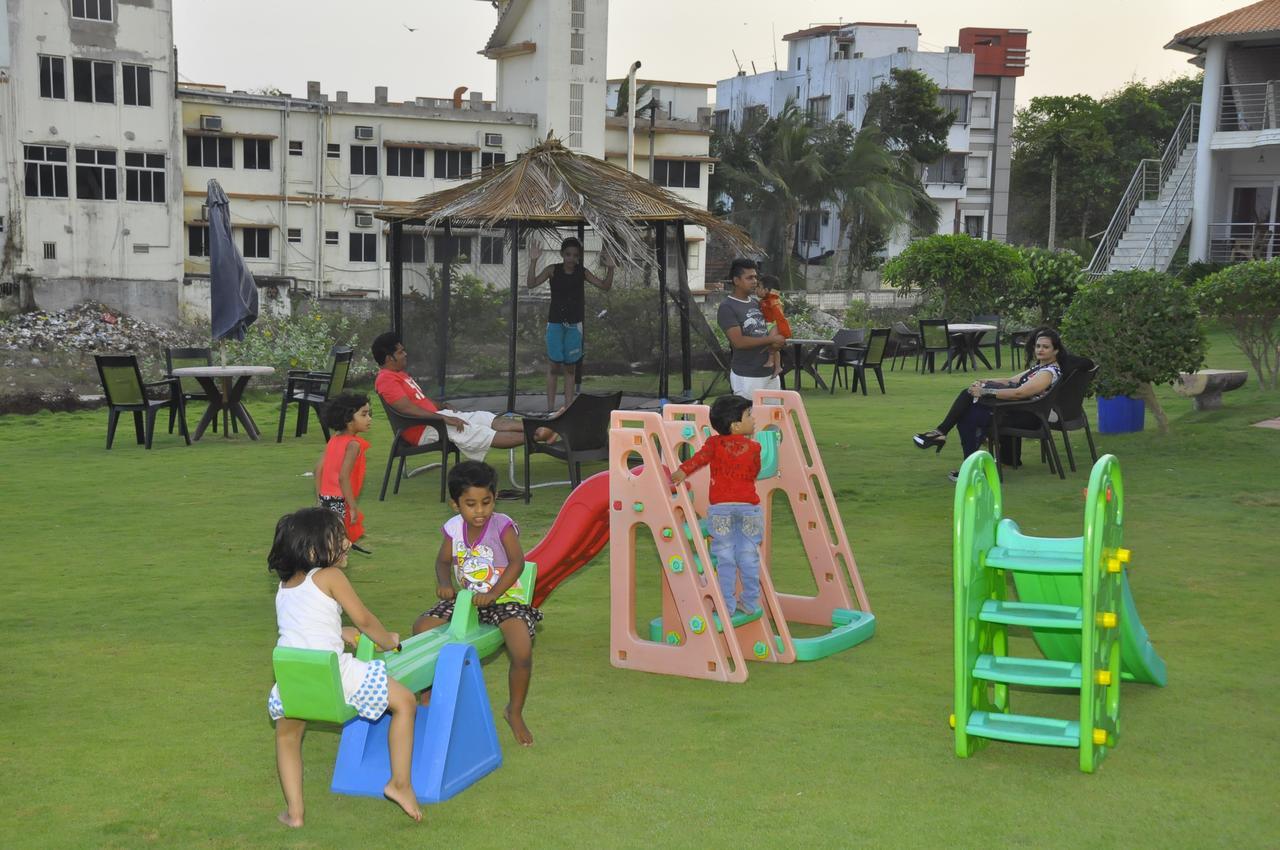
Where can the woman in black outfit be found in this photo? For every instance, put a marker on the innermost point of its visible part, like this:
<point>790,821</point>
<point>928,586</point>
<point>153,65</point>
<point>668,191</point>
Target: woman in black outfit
<point>972,419</point>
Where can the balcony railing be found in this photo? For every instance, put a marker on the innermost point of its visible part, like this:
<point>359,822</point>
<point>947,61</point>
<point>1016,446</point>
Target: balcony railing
<point>1250,106</point>
<point>1243,241</point>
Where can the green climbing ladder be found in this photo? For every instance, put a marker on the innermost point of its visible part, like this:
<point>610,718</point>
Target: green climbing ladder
<point>985,548</point>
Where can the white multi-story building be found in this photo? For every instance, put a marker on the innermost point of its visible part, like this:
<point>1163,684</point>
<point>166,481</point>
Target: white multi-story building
<point>103,196</point>
<point>831,69</point>
<point>90,195</point>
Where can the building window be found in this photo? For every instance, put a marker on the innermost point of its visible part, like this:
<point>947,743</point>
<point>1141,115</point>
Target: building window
<point>91,10</point>
<point>797,63</point>
<point>95,174</point>
<point>53,77</point>
<point>980,111</point>
<point>850,102</point>
<point>51,250</point>
<point>720,121</point>
<point>577,48</point>
<point>93,81</point>
<point>489,159</point>
<point>144,177</point>
<point>295,148</point>
<point>406,162</point>
<point>257,243</point>
<point>578,14</point>
<point>257,154</point>
<point>452,165</point>
<point>197,240</point>
<point>209,152</point>
<point>136,80</point>
<point>364,248</point>
<point>456,248</point>
<point>46,171</point>
<point>975,226</point>
<point>574,139</point>
<point>810,226</point>
<point>677,174</point>
<point>819,109</point>
<point>334,151</point>
<point>957,102</point>
<point>977,168</point>
<point>949,169</point>
<point>693,255</point>
<point>331,237</point>
<point>294,235</point>
<point>364,160</point>
<point>491,249</point>
<point>753,117</point>
<point>413,247</point>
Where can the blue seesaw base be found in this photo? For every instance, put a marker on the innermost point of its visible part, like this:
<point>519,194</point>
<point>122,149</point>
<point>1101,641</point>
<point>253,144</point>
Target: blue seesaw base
<point>455,742</point>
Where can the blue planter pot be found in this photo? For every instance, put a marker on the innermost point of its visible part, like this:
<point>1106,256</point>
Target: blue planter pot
<point>1120,414</point>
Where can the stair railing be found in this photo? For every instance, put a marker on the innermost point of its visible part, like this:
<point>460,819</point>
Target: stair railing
<point>1169,229</point>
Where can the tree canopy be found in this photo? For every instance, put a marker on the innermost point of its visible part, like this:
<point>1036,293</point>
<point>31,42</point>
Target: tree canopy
<point>907,112</point>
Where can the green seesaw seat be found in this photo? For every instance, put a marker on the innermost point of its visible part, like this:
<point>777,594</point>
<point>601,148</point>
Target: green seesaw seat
<point>311,687</point>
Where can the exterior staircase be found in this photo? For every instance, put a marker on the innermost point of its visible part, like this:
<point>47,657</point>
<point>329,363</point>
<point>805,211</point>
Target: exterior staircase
<point>1155,210</point>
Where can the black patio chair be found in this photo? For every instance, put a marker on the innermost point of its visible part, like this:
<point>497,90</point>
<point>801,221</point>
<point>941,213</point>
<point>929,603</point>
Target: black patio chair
<point>1019,357</point>
<point>400,449</point>
<point>583,428</point>
<point>311,390</point>
<point>1070,413</point>
<point>840,352</point>
<point>181,358</point>
<point>870,356</point>
<point>1043,409</point>
<point>903,343</point>
<point>936,338</point>
<point>991,339</point>
<point>127,393</point>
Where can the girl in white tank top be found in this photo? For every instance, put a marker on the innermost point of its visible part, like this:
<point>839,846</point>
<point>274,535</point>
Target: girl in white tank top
<point>309,554</point>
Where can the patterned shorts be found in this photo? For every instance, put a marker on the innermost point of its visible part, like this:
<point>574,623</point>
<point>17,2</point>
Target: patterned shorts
<point>369,700</point>
<point>493,615</point>
<point>337,504</point>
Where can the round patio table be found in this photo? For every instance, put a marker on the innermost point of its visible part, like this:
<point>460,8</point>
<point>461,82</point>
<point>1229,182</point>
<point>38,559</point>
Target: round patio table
<point>225,387</point>
<point>972,332</point>
<point>805,362</point>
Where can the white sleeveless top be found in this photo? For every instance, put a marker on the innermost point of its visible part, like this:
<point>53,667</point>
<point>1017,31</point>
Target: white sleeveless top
<point>309,618</point>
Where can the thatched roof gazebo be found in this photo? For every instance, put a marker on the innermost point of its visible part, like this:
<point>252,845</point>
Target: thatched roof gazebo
<point>549,187</point>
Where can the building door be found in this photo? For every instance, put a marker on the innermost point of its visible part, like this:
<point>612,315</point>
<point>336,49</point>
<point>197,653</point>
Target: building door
<point>1253,223</point>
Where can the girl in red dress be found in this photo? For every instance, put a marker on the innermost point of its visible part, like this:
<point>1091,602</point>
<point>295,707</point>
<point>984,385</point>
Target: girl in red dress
<point>340,471</point>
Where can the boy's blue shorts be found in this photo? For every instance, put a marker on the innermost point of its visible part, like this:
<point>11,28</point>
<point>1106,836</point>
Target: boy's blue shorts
<point>564,342</point>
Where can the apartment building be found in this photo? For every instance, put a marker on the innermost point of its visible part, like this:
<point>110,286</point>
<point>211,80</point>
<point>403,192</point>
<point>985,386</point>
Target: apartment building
<point>831,69</point>
<point>90,189</point>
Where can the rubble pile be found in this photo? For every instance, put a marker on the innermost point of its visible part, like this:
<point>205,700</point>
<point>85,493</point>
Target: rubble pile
<point>88,327</point>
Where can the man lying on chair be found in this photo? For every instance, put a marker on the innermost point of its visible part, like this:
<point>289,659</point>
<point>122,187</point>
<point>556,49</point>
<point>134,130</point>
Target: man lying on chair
<point>473,432</point>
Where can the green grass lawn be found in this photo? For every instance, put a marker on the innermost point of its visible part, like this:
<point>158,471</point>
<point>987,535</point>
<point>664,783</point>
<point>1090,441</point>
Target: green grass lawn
<point>138,626</point>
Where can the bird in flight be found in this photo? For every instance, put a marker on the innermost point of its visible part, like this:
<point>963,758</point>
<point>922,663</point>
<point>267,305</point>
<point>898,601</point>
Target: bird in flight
<point>409,28</point>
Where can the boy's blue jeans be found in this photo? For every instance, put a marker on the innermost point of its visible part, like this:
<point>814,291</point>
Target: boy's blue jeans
<point>736,532</point>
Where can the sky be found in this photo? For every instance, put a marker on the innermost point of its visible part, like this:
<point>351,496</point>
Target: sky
<point>428,47</point>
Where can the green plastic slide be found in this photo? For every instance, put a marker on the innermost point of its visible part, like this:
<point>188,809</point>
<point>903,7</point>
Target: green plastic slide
<point>1139,661</point>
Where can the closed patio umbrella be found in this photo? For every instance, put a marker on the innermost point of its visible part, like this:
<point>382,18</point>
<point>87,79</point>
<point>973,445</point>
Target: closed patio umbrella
<point>233,295</point>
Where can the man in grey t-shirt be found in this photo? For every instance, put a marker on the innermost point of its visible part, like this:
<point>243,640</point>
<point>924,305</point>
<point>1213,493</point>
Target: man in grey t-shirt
<point>740,318</point>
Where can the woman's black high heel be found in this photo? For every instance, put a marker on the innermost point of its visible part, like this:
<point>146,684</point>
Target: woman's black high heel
<point>930,439</point>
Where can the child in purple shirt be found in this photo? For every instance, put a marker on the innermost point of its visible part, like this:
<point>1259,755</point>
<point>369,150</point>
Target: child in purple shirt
<point>481,549</point>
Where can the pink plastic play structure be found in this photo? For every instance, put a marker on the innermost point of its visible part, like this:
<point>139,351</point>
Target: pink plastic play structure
<point>696,640</point>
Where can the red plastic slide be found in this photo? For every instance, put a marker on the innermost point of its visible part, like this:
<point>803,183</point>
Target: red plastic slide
<point>579,533</point>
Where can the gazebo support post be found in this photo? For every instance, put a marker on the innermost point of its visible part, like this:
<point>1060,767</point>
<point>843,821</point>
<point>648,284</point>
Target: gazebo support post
<point>660,252</point>
<point>577,367</point>
<point>513,239</point>
<point>686,346</point>
<point>397,279</point>
<point>442,310</point>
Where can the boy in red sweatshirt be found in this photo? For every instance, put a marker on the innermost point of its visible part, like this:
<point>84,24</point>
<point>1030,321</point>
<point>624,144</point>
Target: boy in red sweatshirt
<point>735,519</point>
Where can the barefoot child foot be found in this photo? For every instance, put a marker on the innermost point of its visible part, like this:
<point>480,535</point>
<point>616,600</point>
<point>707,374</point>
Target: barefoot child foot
<point>290,820</point>
<point>516,722</point>
<point>404,798</point>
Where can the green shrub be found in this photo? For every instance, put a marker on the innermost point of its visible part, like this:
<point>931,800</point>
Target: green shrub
<point>300,341</point>
<point>857,315</point>
<point>1055,277</point>
<point>1246,297</point>
<point>958,276</point>
<point>1141,328</point>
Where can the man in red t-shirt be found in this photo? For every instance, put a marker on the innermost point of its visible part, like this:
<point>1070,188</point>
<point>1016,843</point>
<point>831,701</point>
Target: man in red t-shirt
<point>734,518</point>
<point>473,432</point>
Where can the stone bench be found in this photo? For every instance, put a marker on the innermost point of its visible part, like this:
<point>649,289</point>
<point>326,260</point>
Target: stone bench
<point>1205,388</point>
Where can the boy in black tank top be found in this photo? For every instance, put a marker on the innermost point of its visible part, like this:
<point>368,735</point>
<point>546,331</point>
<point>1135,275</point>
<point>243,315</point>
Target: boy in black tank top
<point>565,315</point>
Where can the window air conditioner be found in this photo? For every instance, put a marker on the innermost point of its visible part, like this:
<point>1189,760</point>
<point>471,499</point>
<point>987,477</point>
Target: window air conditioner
<point>364,219</point>
<point>363,132</point>
<point>493,140</point>
<point>212,123</point>
<point>858,55</point>
<point>204,212</point>
<point>904,50</point>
